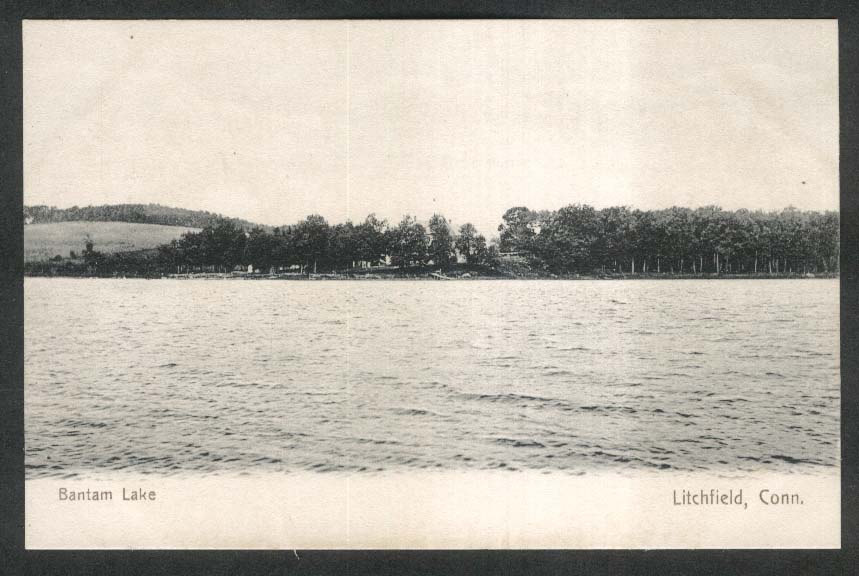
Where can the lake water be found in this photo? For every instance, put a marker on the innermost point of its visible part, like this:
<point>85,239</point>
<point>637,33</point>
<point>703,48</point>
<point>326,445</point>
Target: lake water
<point>208,376</point>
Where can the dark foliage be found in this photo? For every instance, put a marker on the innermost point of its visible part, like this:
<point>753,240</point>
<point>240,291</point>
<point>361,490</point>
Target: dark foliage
<point>579,239</point>
<point>575,239</point>
<point>136,213</point>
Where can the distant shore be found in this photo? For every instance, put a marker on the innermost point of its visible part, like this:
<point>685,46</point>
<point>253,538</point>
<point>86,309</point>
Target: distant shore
<point>439,276</point>
<point>573,242</point>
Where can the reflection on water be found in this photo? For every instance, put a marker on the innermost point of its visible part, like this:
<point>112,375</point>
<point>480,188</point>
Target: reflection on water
<point>170,376</point>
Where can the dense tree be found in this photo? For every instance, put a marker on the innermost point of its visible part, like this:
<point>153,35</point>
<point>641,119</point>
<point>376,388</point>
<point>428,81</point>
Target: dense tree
<point>575,239</point>
<point>707,240</point>
<point>223,245</point>
<point>567,238</point>
<point>311,241</point>
<point>441,243</point>
<point>471,244</point>
<point>408,243</point>
<point>342,247</point>
<point>261,249</point>
<point>371,241</point>
<point>519,228</point>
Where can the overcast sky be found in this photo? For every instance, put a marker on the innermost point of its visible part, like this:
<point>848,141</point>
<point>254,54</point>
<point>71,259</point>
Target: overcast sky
<point>271,121</point>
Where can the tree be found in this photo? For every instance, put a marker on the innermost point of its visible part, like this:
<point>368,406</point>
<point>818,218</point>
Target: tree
<point>226,246</point>
<point>370,238</point>
<point>311,237</point>
<point>91,257</point>
<point>441,245</point>
<point>566,241</point>
<point>260,249</point>
<point>408,243</point>
<point>610,245</point>
<point>471,244</point>
<point>518,229</point>
<point>343,246</point>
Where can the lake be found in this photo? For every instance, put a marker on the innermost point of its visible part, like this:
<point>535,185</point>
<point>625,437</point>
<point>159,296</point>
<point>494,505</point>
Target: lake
<point>220,376</point>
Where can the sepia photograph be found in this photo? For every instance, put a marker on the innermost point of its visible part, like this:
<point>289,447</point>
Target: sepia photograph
<point>431,284</point>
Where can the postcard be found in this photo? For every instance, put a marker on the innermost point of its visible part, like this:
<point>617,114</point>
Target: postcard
<point>431,284</point>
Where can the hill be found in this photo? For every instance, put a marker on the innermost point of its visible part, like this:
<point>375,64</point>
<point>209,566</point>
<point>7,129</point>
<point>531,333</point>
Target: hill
<point>44,241</point>
<point>132,213</point>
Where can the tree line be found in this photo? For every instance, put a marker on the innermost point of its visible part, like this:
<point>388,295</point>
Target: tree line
<point>314,245</point>
<point>575,239</point>
<point>134,213</point>
<point>580,239</point>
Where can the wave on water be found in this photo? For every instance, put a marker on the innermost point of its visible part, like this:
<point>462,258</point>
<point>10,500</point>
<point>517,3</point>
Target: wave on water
<point>566,377</point>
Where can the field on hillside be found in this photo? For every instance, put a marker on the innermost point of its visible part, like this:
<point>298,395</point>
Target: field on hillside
<point>44,241</point>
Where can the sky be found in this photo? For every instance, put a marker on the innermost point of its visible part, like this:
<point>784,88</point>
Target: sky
<point>274,120</point>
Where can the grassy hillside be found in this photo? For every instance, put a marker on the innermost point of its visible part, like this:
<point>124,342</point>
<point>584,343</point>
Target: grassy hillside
<point>44,241</point>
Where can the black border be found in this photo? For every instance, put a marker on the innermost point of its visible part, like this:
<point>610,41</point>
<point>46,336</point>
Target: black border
<point>15,560</point>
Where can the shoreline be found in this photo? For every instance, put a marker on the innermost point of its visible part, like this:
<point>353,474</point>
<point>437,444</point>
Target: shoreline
<point>440,277</point>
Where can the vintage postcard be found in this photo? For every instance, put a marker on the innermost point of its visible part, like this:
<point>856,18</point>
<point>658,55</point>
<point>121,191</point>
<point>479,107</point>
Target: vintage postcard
<point>431,284</point>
